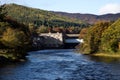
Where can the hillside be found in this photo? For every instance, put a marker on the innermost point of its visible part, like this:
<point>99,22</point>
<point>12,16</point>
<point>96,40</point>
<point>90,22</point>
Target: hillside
<point>39,17</point>
<point>90,18</point>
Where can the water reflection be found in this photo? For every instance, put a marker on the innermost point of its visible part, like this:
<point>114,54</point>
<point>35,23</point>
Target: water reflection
<point>104,59</point>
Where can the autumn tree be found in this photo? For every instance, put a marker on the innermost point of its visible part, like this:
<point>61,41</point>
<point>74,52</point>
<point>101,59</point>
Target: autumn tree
<point>83,32</point>
<point>92,39</point>
<point>42,29</point>
<point>111,38</point>
<point>15,40</point>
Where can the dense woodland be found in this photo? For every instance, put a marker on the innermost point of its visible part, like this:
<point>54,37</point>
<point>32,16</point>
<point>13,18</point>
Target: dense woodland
<point>41,18</point>
<point>14,37</point>
<point>103,37</point>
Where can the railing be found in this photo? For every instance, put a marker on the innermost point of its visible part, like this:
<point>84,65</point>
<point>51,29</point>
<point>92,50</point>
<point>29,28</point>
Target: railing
<point>72,35</point>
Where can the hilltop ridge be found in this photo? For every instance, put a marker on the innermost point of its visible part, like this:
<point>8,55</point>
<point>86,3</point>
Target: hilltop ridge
<point>90,18</point>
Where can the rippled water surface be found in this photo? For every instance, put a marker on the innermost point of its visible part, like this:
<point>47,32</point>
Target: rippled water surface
<point>62,65</point>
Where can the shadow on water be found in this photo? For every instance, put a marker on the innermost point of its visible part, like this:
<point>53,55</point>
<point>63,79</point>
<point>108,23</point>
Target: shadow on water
<point>103,59</point>
<point>14,64</point>
<point>70,45</point>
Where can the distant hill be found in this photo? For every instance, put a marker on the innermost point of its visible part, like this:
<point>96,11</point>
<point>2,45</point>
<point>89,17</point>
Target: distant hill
<point>40,17</point>
<point>90,18</point>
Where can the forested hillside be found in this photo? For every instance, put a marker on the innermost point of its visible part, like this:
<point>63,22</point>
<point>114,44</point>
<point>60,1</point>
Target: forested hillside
<point>90,18</point>
<point>39,17</point>
<point>49,18</point>
<point>102,37</point>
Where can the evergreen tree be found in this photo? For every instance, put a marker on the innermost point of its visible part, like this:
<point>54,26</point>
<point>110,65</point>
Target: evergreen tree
<point>2,13</point>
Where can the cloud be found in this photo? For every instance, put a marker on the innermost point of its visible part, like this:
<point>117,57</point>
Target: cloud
<point>110,8</point>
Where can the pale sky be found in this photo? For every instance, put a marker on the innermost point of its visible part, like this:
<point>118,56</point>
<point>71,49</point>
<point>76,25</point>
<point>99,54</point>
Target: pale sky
<point>72,6</point>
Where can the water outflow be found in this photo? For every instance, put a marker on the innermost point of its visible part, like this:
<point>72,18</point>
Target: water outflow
<point>64,64</point>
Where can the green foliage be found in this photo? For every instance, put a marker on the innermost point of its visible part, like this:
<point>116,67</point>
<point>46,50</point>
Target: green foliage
<point>111,38</point>
<point>92,39</point>
<point>31,27</point>
<point>3,26</point>
<point>103,37</point>
<point>39,17</point>
<point>14,39</point>
<point>2,12</point>
<point>43,29</point>
<point>83,32</point>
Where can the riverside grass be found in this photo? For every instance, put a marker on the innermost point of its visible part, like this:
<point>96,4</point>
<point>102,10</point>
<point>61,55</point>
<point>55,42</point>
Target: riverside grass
<point>114,55</point>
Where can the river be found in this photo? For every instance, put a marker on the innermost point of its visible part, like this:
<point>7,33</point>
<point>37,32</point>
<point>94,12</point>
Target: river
<point>61,64</point>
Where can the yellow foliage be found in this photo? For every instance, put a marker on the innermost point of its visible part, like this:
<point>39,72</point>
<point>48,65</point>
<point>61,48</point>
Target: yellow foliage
<point>13,38</point>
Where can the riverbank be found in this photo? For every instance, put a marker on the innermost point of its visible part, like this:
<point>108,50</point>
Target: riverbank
<point>114,55</point>
<point>4,59</point>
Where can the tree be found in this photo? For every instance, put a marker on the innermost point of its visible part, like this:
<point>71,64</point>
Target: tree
<point>14,38</point>
<point>83,32</point>
<point>17,43</point>
<point>3,26</point>
<point>92,39</point>
<point>2,13</point>
<point>111,38</point>
<point>42,29</point>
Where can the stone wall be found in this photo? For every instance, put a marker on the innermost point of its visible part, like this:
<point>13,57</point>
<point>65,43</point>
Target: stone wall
<point>49,40</point>
<point>58,36</point>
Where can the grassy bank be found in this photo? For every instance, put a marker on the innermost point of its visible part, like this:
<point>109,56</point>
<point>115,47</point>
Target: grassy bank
<point>115,55</point>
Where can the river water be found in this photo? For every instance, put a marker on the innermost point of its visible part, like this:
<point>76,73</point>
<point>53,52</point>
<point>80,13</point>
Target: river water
<point>63,64</point>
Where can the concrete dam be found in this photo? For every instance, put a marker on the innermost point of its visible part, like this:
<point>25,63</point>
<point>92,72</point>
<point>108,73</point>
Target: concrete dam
<point>56,40</point>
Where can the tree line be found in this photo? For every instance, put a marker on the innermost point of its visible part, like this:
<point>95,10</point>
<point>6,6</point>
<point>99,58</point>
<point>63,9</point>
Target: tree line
<point>14,37</point>
<point>103,37</point>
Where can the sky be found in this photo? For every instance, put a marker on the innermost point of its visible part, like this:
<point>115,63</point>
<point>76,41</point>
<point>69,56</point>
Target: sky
<point>98,7</point>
